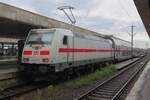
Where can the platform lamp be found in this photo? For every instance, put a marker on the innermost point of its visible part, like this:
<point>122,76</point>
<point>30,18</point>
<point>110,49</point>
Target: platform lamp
<point>72,20</point>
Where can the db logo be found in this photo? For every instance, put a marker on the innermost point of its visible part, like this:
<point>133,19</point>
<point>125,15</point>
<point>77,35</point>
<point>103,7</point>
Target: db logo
<point>36,52</point>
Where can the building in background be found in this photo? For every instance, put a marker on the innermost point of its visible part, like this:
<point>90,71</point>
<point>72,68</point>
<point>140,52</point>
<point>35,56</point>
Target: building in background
<point>8,47</point>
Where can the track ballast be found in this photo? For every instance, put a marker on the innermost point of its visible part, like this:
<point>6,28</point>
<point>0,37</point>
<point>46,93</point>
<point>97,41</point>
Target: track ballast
<point>113,88</point>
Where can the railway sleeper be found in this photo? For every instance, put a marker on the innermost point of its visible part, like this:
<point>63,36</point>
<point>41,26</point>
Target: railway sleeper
<point>105,93</point>
<point>110,88</point>
<point>118,80</point>
<point>113,85</point>
<point>101,96</point>
<point>96,98</point>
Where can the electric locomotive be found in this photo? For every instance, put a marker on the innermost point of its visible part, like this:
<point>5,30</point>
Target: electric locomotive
<point>55,50</point>
<point>50,51</point>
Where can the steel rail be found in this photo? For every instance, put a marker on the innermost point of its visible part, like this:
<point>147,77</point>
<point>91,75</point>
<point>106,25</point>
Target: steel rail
<point>90,92</point>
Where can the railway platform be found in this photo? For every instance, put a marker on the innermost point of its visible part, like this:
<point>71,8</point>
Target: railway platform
<point>8,78</point>
<point>8,68</point>
<point>141,89</point>
<point>123,64</point>
<point>8,64</point>
<point>7,60</point>
<point>8,73</point>
<point>4,60</point>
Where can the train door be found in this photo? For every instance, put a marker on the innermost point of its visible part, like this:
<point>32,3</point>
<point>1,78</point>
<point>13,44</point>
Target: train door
<point>71,50</point>
<point>113,51</point>
<point>66,46</point>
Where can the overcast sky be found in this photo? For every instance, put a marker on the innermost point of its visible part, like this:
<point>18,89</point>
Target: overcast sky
<point>103,16</point>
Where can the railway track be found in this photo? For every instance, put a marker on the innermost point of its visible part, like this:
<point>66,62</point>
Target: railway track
<point>20,89</point>
<point>26,87</point>
<point>11,85</point>
<point>113,88</point>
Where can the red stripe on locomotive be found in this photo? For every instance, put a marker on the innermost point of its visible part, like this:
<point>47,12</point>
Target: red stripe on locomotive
<point>27,52</point>
<point>62,50</point>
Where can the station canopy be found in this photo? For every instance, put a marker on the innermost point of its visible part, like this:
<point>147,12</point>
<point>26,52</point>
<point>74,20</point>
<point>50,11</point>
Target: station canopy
<point>16,22</point>
<point>143,7</point>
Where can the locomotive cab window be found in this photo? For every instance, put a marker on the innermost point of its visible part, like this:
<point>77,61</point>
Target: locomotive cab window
<point>38,37</point>
<point>65,40</point>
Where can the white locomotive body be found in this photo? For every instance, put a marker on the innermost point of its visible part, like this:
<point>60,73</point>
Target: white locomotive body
<point>57,50</point>
<point>60,49</point>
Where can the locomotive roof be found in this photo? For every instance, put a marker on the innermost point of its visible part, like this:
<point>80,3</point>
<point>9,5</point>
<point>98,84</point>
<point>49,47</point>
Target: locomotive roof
<point>82,34</point>
<point>49,29</point>
<point>65,31</point>
<point>43,30</point>
<point>116,38</point>
<point>120,39</point>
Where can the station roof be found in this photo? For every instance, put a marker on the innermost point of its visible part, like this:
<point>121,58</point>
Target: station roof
<point>8,40</point>
<point>143,7</point>
<point>16,22</point>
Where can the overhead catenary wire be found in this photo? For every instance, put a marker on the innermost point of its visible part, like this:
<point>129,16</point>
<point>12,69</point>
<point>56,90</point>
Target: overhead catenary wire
<point>124,8</point>
<point>125,11</point>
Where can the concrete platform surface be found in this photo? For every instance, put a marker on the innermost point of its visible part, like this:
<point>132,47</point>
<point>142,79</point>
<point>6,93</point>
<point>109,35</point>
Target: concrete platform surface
<point>8,61</point>
<point>141,89</point>
<point>8,73</point>
<point>125,63</point>
<point>2,60</point>
<point>8,66</point>
<point>11,70</point>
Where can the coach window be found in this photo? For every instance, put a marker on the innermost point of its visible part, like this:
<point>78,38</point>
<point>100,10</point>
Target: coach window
<point>65,40</point>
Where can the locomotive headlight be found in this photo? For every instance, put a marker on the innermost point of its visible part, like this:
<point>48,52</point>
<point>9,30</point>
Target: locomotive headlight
<point>43,69</point>
<point>25,60</point>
